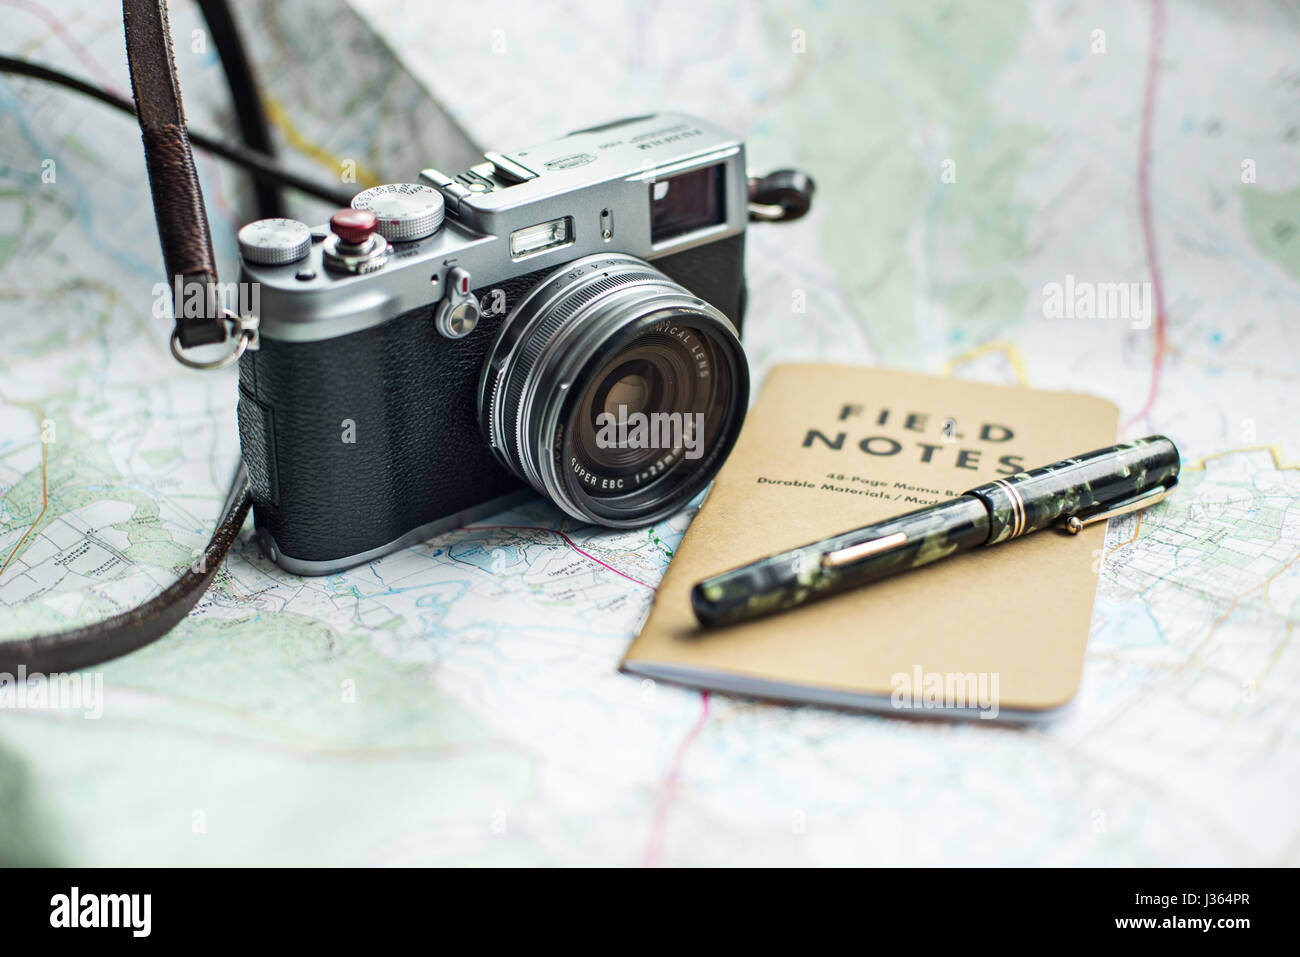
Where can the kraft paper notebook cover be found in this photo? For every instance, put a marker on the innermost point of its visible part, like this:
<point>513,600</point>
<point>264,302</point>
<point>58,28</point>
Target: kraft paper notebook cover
<point>827,448</point>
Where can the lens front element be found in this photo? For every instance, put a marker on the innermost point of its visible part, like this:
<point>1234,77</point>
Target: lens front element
<point>614,391</point>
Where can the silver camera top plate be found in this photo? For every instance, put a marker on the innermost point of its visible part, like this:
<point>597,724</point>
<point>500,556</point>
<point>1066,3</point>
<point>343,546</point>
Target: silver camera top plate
<point>518,212</point>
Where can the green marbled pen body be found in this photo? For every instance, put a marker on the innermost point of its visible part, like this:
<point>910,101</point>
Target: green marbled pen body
<point>799,575</point>
<point>992,513</point>
<point>1033,500</point>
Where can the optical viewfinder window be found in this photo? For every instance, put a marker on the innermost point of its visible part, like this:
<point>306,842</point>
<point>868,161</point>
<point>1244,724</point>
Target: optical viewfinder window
<point>688,202</point>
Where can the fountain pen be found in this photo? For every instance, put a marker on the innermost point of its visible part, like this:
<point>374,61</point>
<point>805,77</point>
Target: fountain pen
<point>1068,494</point>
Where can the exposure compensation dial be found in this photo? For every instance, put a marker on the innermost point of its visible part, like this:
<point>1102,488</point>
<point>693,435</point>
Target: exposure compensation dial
<point>274,242</point>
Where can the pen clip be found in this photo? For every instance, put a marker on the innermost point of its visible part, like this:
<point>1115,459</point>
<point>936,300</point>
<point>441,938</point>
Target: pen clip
<point>1075,524</point>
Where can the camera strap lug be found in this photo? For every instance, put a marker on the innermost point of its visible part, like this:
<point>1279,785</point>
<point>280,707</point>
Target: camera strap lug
<point>247,339</point>
<point>780,196</point>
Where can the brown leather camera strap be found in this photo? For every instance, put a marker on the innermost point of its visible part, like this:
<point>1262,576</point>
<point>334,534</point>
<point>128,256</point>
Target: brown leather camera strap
<point>187,254</point>
<point>173,179</point>
<point>111,637</point>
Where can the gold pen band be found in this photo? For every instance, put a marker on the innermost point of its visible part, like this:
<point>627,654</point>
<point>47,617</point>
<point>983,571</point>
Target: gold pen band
<point>1017,508</point>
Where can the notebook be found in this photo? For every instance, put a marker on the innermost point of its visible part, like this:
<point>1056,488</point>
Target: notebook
<point>996,632</point>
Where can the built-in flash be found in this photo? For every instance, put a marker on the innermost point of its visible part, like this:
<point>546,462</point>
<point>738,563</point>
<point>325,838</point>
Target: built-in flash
<point>535,239</point>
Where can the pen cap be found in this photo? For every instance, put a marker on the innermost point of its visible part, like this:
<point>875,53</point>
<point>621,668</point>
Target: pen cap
<point>1032,500</point>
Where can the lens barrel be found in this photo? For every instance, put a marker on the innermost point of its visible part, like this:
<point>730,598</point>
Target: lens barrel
<point>614,391</point>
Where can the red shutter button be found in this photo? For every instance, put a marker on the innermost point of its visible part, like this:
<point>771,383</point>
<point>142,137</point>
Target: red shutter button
<point>354,226</point>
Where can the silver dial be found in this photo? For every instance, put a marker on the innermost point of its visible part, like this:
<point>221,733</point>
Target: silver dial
<point>406,211</point>
<point>274,242</point>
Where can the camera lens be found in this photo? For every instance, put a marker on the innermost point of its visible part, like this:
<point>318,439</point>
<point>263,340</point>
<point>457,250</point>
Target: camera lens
<point>614,391</point>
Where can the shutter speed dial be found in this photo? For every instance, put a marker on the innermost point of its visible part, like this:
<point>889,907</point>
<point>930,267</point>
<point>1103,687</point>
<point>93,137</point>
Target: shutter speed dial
<point>405,211</point>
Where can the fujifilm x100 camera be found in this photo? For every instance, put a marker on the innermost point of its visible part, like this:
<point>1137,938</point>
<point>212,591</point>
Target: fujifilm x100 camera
<point>564,317</point>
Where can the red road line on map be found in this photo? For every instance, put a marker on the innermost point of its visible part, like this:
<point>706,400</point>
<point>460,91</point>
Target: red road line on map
<point>1144,201</point>
<point>60,29</point>
<point>655,847</point>
<point>567,540</point>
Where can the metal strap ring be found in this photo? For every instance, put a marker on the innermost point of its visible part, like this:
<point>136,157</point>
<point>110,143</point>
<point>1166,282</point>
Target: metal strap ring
<point>247,334</point>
